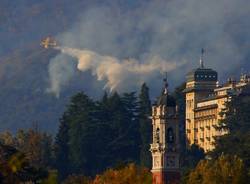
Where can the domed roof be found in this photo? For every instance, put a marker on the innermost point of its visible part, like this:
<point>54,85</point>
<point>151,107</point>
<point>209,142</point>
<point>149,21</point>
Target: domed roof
<point>166,99</point>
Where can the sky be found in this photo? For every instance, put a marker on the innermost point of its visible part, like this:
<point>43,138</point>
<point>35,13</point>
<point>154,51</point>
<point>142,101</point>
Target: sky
<point>171,33</point>
<point>110,46</point>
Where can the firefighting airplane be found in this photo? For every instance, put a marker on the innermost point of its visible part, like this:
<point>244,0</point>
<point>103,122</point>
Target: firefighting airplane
<point>48,42</point>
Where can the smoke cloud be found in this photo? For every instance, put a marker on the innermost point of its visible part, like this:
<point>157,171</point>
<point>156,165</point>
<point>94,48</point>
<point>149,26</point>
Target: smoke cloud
<point>119,75</point>
<point>155,32</point>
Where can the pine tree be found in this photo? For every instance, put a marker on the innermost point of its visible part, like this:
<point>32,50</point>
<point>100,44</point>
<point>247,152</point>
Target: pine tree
<point>119,144</point>
<point>181,102</point>
<point>82,137</point>
<point>62,161</point>
<point>130,103</point>
<point>237,125</point>
<point>145,126</point>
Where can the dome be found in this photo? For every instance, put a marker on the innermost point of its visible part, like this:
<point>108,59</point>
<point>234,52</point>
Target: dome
<point>166,99</point>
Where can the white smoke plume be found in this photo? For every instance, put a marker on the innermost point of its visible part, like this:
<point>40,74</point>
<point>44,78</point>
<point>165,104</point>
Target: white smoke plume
<point>118,74</point>
<point>174,30</point>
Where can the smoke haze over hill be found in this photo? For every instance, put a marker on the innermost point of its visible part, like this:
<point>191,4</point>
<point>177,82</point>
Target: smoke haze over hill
<point>169,30</point>
<point>174,31</point>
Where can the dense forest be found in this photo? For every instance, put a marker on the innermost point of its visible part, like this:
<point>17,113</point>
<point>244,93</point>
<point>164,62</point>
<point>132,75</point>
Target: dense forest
<point>92,137</point>
<point>107,141</point>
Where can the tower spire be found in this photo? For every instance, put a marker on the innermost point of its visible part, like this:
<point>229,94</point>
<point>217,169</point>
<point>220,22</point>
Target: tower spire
<point>202,58</point>
<point>165,80</point>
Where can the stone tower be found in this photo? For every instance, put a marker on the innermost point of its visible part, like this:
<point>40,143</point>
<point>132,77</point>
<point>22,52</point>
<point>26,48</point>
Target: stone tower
<point>165,146</point>
<point>200,83</point>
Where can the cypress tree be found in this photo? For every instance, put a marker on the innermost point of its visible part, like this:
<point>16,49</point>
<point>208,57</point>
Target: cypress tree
<point>145,126</point>
<point>130,103</point>
<point>82,127</point>
<point>62,161</point>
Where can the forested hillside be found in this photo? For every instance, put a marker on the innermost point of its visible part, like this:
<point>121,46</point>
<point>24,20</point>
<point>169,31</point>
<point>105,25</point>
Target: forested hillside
<point>24,64</point>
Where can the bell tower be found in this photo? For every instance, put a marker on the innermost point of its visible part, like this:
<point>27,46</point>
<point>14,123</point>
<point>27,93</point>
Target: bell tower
<point>165,146</point>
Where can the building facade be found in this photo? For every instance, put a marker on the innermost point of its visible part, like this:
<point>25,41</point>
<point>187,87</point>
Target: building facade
<point>205,100</point>
<point>165,146</point>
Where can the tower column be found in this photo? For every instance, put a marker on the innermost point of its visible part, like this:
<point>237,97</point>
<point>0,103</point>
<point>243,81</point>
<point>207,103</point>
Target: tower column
<point>165,146</point>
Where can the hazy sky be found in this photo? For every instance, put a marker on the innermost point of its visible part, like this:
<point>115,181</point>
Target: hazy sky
<point>171,31</point>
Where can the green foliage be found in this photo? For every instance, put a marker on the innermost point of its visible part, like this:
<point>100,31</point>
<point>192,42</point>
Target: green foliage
<point>16,168</point>
<point>36,146</point>
<point>192,156</point>
<point>145,126</point>
<point>237,123</point>
<point>189,160</point>
<point>95,135</point>
<point>181,102</point>
<point>61,148</point>
<point>224,170</point>
<point>82,137</point>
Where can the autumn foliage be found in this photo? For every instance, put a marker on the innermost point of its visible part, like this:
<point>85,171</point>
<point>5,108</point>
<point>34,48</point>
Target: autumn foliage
<point>224,170</point>
<point>130,174</point>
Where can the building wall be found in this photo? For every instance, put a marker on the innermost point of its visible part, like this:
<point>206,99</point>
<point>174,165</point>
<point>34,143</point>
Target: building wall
<point>190,104</point>
<point>204,114</point>
<point>165,154</point>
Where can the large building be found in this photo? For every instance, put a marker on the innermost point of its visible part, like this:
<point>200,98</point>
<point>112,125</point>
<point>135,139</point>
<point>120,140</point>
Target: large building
<point>165,147</point>
<point>205,100</point>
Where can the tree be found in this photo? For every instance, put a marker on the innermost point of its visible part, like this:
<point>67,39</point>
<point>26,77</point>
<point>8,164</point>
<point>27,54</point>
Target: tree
<point>7,138</point>
<point>130,174</point>
<point>15,167</point>
<point>82,126</point>
<point>181,102</point>
<point>224,170</point>
<point>94,136</point>
<point>237,125</point>
<point>193,155</point>
<point>123,129</point>
<point>77,179</point>
<point>132,138</point>
<point>145,126</point>
<point>37,147</point>
<point>189,160</point>
<point>62,161</point>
